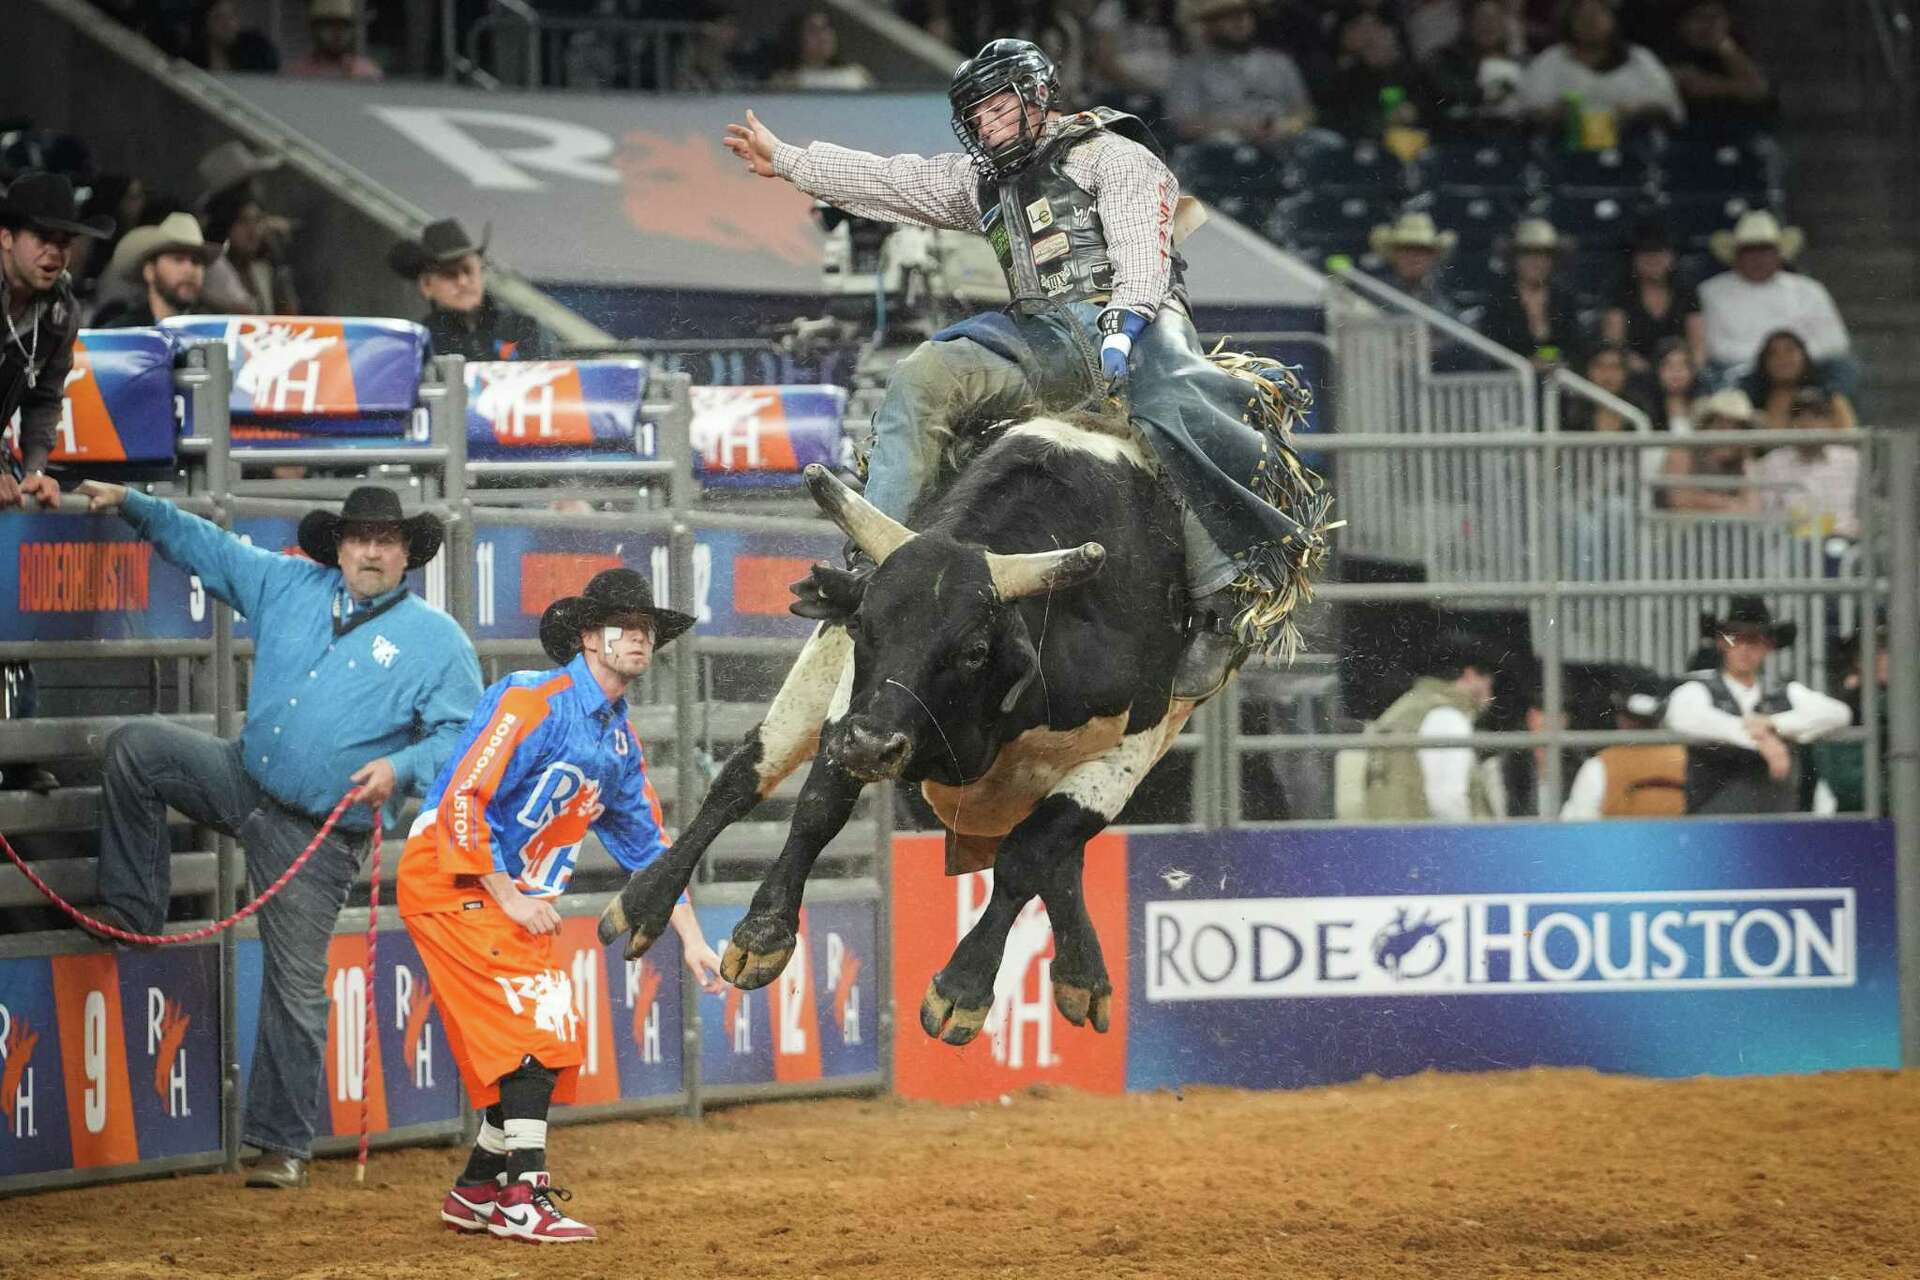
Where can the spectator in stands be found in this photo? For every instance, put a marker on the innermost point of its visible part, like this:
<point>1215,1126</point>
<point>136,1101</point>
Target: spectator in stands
<point>40,218</point>
<point>1535,314</point>
<point>253,277</point>
<point>1842,766</point>
<point>1414,249</point>
<point>462,317</point>
<point>711,60</point>
<point>121,197</point>
<point>1130,48</point>
<point>1653,304</point>
<point>1476,78</point>
<point>219,43</point>
<point>1605,366</point>
<point>1742,306</point>
<point>356,683</point>
<point>1645,780</point>
<point>1677,381</point>
<point>1410,784</point>
<point>167,264</point>
<point>1743,732</point>
<point>1373,87</point>
<point>1594,82</point>
<point>1227,89</point>
<point>1724,460</point>
<point>1816,485</point>
<point>1724,89</point>
<point>1785,369</point>
<point>813,53</point>
<point>332,24</point>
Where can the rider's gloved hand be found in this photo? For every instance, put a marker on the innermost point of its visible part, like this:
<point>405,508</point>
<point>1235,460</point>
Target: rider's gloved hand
<point>1118,328</point>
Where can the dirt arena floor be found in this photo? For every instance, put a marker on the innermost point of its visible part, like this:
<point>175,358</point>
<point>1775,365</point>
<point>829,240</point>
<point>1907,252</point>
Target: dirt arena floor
<point>1561,1173</point>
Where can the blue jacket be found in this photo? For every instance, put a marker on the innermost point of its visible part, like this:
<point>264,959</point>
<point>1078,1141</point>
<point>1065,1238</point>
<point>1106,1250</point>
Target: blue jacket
<point>546,759</point>
<point>398,685</point>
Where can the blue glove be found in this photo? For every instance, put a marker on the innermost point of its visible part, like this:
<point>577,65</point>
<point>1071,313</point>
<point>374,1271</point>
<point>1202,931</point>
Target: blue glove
<point>1118,328</point>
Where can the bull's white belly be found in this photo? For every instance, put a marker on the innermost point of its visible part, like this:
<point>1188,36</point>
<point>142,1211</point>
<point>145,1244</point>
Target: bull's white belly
<point>1025,772</point>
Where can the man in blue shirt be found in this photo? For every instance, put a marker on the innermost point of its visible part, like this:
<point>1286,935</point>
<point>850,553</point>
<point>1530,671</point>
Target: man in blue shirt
<point>356,682</point>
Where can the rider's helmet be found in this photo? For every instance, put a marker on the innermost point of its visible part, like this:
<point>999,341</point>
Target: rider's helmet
<point>1003,66</point>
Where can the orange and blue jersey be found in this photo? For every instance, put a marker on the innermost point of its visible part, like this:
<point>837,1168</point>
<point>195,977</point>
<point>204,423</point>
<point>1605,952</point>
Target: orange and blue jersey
<point>546,758</point>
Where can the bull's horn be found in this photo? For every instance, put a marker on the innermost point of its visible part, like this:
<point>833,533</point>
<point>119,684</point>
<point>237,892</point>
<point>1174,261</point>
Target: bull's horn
<point>1028,575</point>
<point>874,532</point>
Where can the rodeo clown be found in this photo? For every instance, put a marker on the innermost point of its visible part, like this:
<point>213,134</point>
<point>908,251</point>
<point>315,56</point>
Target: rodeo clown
<point>548,756</point>
<point>1084,217</point>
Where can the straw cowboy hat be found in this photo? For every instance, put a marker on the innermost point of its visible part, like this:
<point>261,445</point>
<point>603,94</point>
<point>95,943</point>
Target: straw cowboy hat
<point>440,242</point>
<point>320,531</point>
<point>178,233</point>
<point>1732,404</point>
<point>1412,231</point>
<point>227,166</point>
<point>1749,616</point>
<point>1192,12</point>
<point>1757,229</point>
<point>45,202</point>
<point>1537,235</point>
<point>613,593</point>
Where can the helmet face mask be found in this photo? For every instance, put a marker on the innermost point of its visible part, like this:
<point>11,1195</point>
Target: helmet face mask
<point>1024,77</point>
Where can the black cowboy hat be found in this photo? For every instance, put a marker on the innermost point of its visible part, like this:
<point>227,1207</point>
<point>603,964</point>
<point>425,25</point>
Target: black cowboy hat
<point>439,242</point>
<point>613,593</point>
<point>45,202</point>
<point>320,531</point>
<point>1749,615</point>
<point>1639,692</point>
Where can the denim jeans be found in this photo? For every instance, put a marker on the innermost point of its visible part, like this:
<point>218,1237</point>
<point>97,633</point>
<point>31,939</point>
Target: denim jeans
<point>153,765</point>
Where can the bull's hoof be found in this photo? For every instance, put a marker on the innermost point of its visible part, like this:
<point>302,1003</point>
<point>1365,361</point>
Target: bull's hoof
<point>759,951</point>
<point>644,908</point>
<point>951,1018</point>
<point>1081,1005</point>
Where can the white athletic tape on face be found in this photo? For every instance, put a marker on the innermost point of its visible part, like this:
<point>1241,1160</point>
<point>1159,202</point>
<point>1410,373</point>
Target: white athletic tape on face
<point>610,636</point>
<point>526,1135</point>
<point>491,1140</point>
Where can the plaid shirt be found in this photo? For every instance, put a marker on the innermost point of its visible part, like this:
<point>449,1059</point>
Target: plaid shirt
<point>1134,192</point>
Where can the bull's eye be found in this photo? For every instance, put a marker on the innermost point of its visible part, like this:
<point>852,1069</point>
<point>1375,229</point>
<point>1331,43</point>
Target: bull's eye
<point>974,656</point>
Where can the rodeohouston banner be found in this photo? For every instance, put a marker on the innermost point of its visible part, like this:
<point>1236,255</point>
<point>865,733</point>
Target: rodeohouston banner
<point>1272,959</point>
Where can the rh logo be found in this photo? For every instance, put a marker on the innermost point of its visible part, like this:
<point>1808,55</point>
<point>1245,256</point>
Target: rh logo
<point>17,1041</point>
<point>167,1025</point>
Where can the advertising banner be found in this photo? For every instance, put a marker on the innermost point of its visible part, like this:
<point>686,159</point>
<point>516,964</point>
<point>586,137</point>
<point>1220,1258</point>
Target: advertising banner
<point>120,402</point>
<point>1272,959</point>
<point>629,1015</point>
<point>767,434</point>
<point>109,1058</point>
<point>91,578</point>
<point>813,1022</point>
<point>740,579</point>
<point>1025,1042</point>
<point>557,408</point>
<point>328,374</point>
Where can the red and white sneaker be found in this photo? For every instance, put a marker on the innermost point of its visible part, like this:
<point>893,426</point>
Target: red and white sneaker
<point>525,1210</point>
<point>469,1206</point>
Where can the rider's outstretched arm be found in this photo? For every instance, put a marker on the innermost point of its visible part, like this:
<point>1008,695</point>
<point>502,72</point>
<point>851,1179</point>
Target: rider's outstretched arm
<point>924,191</point>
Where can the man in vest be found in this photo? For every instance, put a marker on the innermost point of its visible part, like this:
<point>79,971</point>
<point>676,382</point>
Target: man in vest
<point>1642,780</point>
<point>1416,784</point>
<point>1742,732</point>
<point>1081,211</point>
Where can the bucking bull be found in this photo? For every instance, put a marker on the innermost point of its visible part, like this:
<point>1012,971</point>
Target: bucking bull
<point>1015,658</point>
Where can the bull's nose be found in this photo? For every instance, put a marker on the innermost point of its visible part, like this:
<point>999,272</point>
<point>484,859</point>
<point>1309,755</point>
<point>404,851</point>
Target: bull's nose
<point>877,754</point>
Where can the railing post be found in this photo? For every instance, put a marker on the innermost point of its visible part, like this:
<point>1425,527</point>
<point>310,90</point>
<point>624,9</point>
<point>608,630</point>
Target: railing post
<point>1903,692</point>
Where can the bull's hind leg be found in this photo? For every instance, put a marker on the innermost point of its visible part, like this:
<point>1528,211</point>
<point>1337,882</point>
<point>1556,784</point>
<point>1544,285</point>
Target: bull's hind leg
<point>764,940</point>
<point>772,750</point>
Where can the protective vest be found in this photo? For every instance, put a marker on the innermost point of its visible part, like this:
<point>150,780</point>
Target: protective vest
<point>1045,227</point>
<point>1645,781</point>
<point>1734,776</point>
<point>1396,788</point>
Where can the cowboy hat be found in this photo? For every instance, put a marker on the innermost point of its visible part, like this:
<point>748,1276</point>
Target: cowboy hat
<point>1639,692</point>
<point>440,242</point>
<point>320,531</point>
<point>177,233</point>
<point>1412,231</point>
<point>1757,229</point>
<point>1537,235</point>
<point>613,593</point>
<point>227,166</point>
<point>1732,404</point>
<point>1749,615</point>
<point>45,202</point>
<point>1195,11</point>
<point>332,11</point>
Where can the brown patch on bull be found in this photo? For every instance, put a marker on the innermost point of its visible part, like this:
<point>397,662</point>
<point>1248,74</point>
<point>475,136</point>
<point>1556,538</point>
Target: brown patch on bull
<point>1024,773</point>
<point>970,853</point>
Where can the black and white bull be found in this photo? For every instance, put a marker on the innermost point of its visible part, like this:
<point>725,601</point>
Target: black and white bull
<point>1015,657</point>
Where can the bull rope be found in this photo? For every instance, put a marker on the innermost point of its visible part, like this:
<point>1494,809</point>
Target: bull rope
<point>369,1024</point>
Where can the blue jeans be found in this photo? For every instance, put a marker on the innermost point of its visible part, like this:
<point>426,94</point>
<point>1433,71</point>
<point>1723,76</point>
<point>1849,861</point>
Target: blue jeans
<point>153,765</point>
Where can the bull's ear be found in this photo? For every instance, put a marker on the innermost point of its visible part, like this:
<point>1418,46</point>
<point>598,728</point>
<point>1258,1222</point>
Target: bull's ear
<point>1019,659</point>
<point>1017,576</point>
<point>828,594</point>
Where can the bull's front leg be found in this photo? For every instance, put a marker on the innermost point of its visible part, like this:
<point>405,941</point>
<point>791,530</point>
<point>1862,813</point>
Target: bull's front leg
<point>772,750</point>
<point>764,940</point>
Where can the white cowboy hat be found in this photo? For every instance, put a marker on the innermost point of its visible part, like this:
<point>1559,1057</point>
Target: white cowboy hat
<point>1757,229</point>
<point>1412,231</point>
<point>1731,403</point>
<point>177,233</point>
<point>1537,235</point>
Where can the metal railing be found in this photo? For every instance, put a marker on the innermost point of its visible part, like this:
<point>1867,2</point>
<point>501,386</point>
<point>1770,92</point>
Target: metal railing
<point>515,43</point>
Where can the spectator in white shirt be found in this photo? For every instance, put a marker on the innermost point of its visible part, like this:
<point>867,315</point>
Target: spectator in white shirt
<point>1642,780</point>
<point>1744,735</point>
<point>1596,63</point>
<point>1817,485</point>
<point>1228,89</point>
<point>1742,306</point>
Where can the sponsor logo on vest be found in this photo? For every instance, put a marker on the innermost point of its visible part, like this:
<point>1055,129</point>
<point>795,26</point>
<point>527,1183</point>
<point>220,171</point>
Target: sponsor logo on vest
<point>1040,214</point>
<point>1047,248</point>
<point>1496,944</point>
